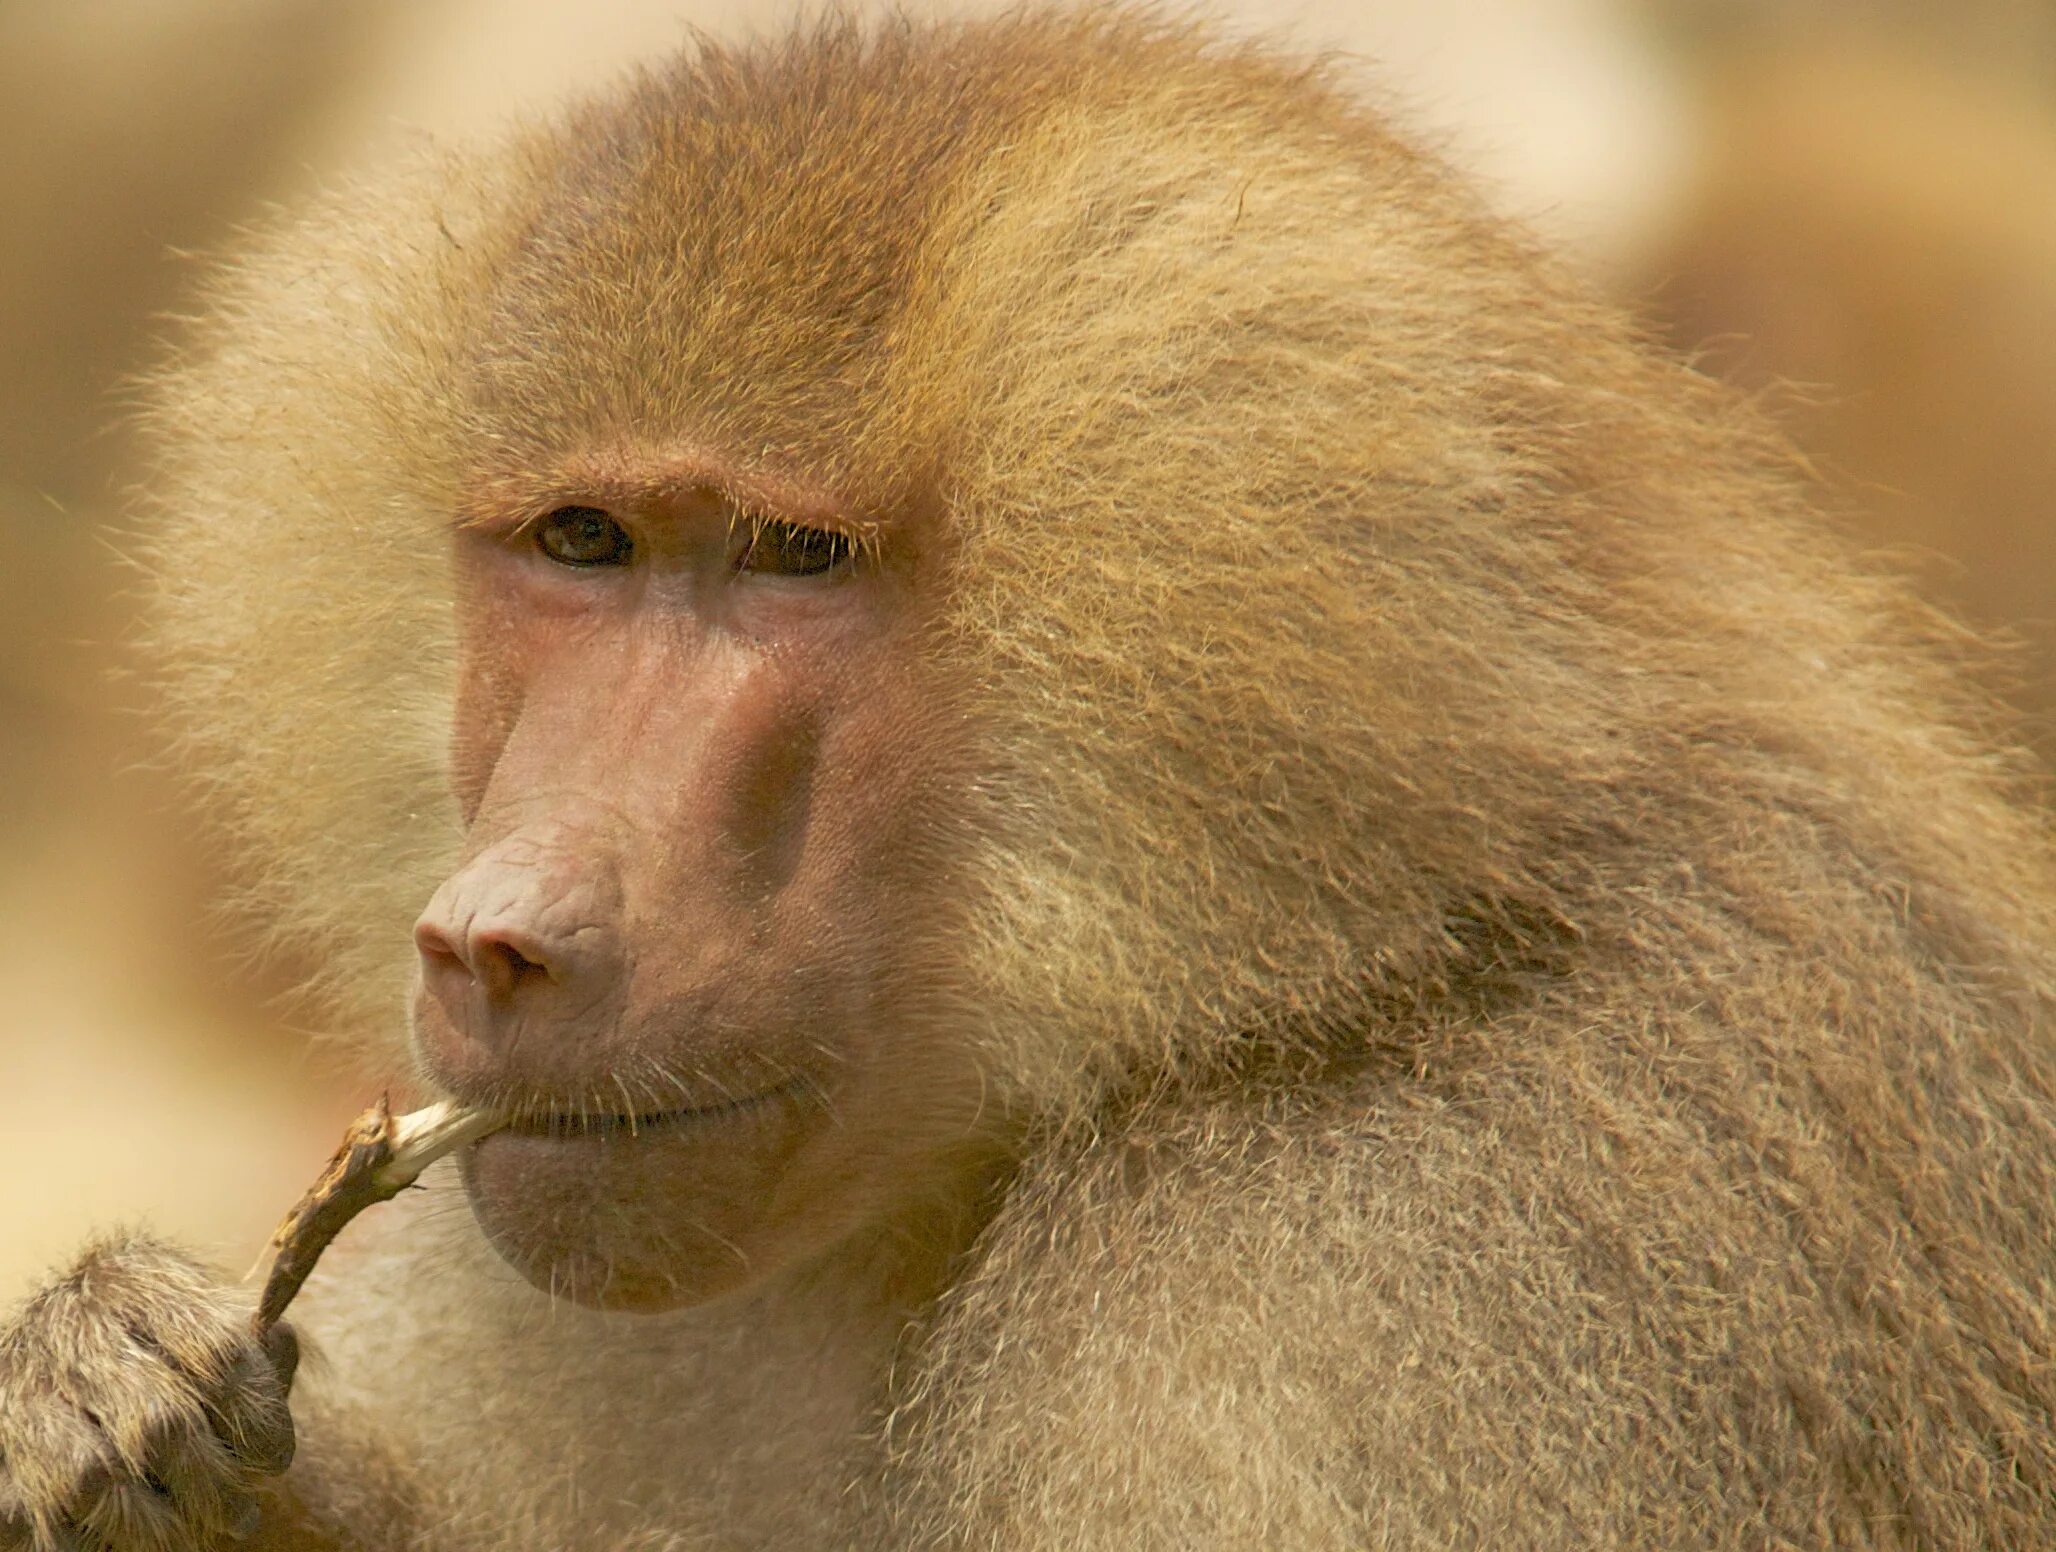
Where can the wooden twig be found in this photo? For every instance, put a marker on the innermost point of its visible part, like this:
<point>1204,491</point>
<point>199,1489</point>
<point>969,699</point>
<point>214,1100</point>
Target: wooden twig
<point>379,1158</point>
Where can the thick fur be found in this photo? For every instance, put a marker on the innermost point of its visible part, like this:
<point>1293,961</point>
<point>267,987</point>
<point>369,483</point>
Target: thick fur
<point>1515,973</point>
<point>131,1384</point>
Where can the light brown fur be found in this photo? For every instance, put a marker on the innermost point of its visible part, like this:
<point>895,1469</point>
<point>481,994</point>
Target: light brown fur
<point>1512,976</point>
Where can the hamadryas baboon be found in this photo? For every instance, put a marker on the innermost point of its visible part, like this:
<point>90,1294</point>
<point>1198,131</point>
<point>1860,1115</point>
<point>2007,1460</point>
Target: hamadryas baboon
<point>1155,845</point>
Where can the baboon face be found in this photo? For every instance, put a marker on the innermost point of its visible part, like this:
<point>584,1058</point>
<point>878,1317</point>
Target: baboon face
<point>703,768</point>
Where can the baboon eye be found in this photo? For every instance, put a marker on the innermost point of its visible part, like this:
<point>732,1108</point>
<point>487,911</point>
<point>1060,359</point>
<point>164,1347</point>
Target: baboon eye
<point>789,550</point>
<point>583,536</point>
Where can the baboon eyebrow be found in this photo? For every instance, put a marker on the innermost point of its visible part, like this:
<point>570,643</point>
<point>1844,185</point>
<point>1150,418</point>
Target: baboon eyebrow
<point>635,476</point>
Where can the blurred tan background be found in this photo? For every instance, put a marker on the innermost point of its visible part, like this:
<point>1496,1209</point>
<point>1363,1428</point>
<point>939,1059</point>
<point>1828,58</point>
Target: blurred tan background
<point>1849,205</point>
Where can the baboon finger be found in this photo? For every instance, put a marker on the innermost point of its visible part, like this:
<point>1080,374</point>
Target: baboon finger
<point>281,1345</point>
<point>60,1463</point>
<point>245,1517</point>
<point>250,1413</point>
<point>132,1516</point>
<point>168,1305</point>
<point>193,1468</point>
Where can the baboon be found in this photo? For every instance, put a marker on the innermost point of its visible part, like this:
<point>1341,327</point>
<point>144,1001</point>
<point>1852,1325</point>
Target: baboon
<point>1157,845</point>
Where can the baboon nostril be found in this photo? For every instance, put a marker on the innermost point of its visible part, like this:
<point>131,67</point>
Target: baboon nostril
<point>496,960</point>
<point>438,950</point>
<point>503,966</point>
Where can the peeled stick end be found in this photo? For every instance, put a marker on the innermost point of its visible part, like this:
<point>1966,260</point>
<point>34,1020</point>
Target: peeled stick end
<point>381,1155</point>
<point>420,1137</point>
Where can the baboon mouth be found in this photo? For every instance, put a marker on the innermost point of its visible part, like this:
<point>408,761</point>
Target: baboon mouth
<point>630,1123</point>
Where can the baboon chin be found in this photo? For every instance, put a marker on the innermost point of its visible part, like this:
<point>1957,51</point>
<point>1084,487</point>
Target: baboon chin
<point>1152,836</point>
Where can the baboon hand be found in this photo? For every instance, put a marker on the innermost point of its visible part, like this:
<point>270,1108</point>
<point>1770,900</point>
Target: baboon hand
<point>137,1408</point>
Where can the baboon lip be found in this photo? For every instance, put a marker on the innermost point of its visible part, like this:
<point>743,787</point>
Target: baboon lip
<point>584,1123</point>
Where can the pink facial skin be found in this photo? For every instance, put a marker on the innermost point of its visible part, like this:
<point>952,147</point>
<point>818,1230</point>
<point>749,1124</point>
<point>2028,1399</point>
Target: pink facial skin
<point>706,770</point>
